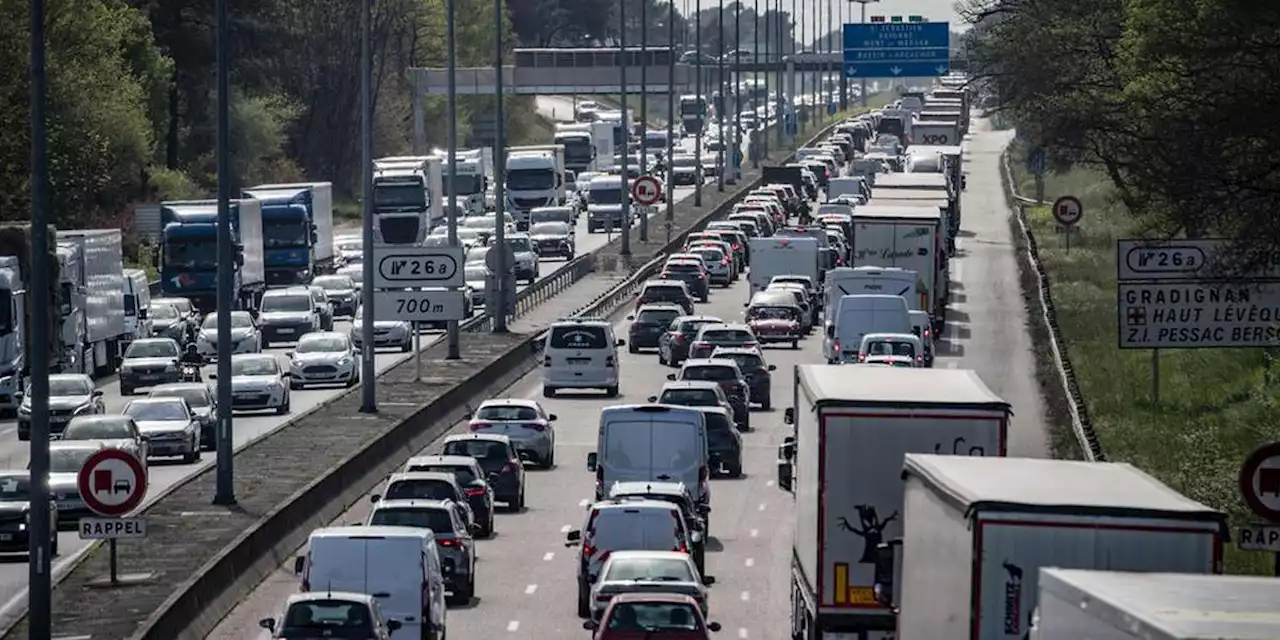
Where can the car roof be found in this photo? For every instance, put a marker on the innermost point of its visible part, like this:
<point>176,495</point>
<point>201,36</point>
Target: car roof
<point>441,459</point>
<point>253,356</point>
<point>649,555</point>
<point>663,283</point>
<point>422,475</point>
<point>908,337</point>
<point>73,445</point>
<point>616,505</point>
<point>668,598</point>
<point>148,400</point>
<point>70,376</point>
<point>726,326</point>
<point>708,362</point>
<point>664,306</point>
<point>491,437</point>
<point>690,384</point>
<point>736,351</point>
<point>293,290</point>
<point>711,319</point>
<point>637,487</point>
<point>509,402</point>
<point>413,503</point>
<point>589,322</point>
<point>311,596</point>
<point>154,340</point>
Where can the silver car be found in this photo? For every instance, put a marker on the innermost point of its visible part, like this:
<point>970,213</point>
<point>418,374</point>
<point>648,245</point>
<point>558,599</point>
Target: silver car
<point>524,422</point>
<point>169,426</point>
<point>331,613</point>
<point>454,537</point>
<point>245,336</point>
<point>648,572</point>
<point>257,383</point>
<point>323,357</point>
<point>287,314</point>
<point>65,460</point>
<point>202,401</point>
<point>70,395</point>
<point>386,333</point>
<point>477,276</point>
<point>149,362</point>
<point>526,266</point>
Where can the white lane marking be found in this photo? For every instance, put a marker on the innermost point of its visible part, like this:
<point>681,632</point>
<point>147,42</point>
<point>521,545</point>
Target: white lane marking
<point>546,557</point>
<point>566,529</point>
<point>584,502</point>
<point>952,364</point>
<point>751,562</point>
<point>755,532</point>
<point>742,633</point>
<point>761,507</point>
<point>746,596</point>
<point>513,626</point>
<point>530,590</point>
<point>769,483</point>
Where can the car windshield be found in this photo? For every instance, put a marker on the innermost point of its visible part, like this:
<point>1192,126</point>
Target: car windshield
<point>68,387</point>
<point>745,361</point>
<point>477,274</point>
<point>772,313</point>
<point>690,397</point>
<point>69,460</point>
<point>575,337</point>
<point>464,475</point>
<point>658,316</point>
<point>655,569</point>
<point>482,450</point>
<point>239,320</point>
<point>420,489</point>
<point>163,312</point>
<point>152,349</point>
<point>708,372</point>
<point>549,229</point>
<point>480,223</point>
<point>686,161</point>
<point>726,336</point>
<point>519,245</point>
<point>890,348</point>
<point>437,520</point>
<point>334,283</point>
<point>254,366</point>
<point>663,292</point>
<point>196,397</point>
<point>650,617</point>
<point>290,304</point>
<point>605,195</point>
<point>144,411</point>
<point>506,413</point>
<point>14,488</point>
<point>336,619</point>
<point>322,344</point>
<point>97,428</point>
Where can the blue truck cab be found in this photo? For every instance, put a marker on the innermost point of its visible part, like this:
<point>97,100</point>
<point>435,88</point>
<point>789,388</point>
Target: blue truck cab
<point>297,230</point>
<point>188,257</point>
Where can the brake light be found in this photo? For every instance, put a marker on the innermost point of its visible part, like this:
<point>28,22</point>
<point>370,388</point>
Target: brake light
<point>682,548</point>
<point>608,361</point>
<point>535,426</point>
<point>862,357</point>
<point>511,466</point>
<point>836,346</point>
<point>749,345</point>
<point>476,426</point>
<point>446,542</point>
<point>472,492</point>
<point>588,550</point>
<point>679,338</point>
<point>919,359</point>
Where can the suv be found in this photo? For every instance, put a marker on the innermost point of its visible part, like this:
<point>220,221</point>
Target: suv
<point>721,335</point>
<point>149,362</point>
<point>468,474</point>
<point>427,485</point>
<point>580,354</point>
<point>524,422</point>
<point>324,307</point>
<point>695,515</point>
<point>445,519</point>
<point>694,393</point>
<point>724,443</point>
<point>525,264</point>
<point>673,291</point>
<point>648,324</point>
<point>759,376</point>
<point>725,373</point>
<point>624,525</point>
<point>673,346</point>
<point>287,314</point>
<point>498,458</point>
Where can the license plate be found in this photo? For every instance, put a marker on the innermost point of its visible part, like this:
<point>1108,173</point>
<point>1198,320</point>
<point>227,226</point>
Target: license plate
<point>578,360</point>
<point>284,331</point>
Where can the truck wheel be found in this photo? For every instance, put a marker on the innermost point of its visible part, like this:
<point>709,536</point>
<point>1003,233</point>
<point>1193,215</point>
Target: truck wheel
<point>584,608</point>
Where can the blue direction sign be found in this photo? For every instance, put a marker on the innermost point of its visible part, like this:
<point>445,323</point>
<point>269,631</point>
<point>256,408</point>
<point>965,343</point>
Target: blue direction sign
<point>897,49</point>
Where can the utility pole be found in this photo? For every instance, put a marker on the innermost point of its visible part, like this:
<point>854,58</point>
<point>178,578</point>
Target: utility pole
<point>500,160</point>
<point>368,372</point>
<point>451,108</point>
<point>669,185</point>
<point>762,131</point>
<point>783,97</point>
<point>701,101</point>
<point>40,585</point>
<point>737,88</point>
<point>224,489</point>
<point>644,106</point>
<point>721,88</point>
<point>626,129</point>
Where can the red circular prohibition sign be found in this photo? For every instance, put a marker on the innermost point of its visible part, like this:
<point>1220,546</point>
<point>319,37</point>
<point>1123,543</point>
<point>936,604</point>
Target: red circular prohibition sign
<point>1248,470</point>
<point>90,476</point>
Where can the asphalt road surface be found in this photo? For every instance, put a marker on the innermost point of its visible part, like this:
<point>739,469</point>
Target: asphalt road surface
<point>526,577</point>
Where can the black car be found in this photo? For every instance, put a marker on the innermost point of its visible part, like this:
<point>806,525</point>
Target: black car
<point>470,476</point>
<point>673,346</point>
<point>648,324</point>
<point>500,461</point>
<point>15,497</point>
<point>692,274</point>
<point>553,239</point>
<point>724,443</point>
<point>759,375</point>
<point>730,379</point>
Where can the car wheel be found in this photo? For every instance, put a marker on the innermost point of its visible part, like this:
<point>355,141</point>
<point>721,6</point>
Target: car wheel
<point>767,403</point>
<point>53,544</point>
<point>550,462</point>
<point>126,391</point>
<point>584,607</point>
<point>518,505</point>
<point>295,385</point>
<point>795,344</point>
<point>194,454</point>
<point>355,379</point>
<point>662,358</point>
<point>631,348</point>
<point>548,392</point>
<point>266,344</point>
<point>284,406</point>
<point>611,392</point>
<point>733,470</point>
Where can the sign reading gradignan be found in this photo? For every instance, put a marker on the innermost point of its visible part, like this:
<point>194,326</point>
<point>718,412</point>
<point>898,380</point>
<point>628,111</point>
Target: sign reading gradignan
<point>1187,315</point>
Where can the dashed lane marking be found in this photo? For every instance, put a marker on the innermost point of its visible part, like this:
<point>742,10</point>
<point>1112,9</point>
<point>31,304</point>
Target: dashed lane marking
<point>546,557</point>
<point>755,533</point>
<point>513,626</point>
<point>761,507</point>
<point>531,589</point>
<point>584,502</point>
<point>751,562</point>
<point>566,529</point>
<point>742,633</point>
<point>746,596</point>
<point>769,483</point>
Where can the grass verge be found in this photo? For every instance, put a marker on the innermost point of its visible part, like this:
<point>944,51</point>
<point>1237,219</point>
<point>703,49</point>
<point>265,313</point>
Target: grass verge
<point>1215,405</point>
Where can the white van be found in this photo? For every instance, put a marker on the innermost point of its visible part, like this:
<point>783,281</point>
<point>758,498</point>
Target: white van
<point>858,315</point>
<point>580,354</point>
<point>851,281</point>
<point>137,302</point>
<point>922,327</point>
<point>397,565</point>
<point>652,442</point>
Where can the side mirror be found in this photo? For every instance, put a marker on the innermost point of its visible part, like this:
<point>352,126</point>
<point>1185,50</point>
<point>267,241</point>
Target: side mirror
<point>299,563</point>
<point>268,623</point>
<point>590,625</point>
<point>288,354</point>
<point>713,627</point>
<point>631,317</point>
<point>394,625</point>
<point>651,399</point>
<point>213,376</point>
<point>97,393</point>
<point>552,417</point>
<point>375,497</point>
<point>788,415</point>
<point>620,343</point>
<point>671,376</point>
<point>704,509</point>
<point>572,538</point>
<point>714,460</point>
<point>772,367</point>
<point>708,580</point>
<point>831,331</point>
<point>475,529</point>
<point>592,459</point>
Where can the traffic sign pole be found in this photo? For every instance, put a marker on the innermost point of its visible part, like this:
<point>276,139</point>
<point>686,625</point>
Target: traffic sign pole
<point>112,483</point>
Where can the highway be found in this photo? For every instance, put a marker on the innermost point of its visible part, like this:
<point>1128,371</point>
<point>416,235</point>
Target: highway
<point>15,454</point>
<point>526,578</point>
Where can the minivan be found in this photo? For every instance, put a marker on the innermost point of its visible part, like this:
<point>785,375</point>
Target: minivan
<point>580,354</point>
<point>652,442</point>
<point>858,315</point>
<point>400,566</point>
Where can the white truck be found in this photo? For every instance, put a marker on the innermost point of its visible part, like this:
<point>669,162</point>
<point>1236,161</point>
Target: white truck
<point>475,174</point>
<point>977,531</point>
<point>588,146</point>
<point>137,306</point>
<point>534,178</point>
<point>92,272</point>
<point>853,425</point>
<point>782,256</point>
<point>848,281</point>
<point>1106,605</point>
<point>909,237</point>
<point>407,198</point>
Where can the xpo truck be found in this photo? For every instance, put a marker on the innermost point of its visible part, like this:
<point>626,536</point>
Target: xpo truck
<point>407,198</point>
<point>853,425</point>
<point>91,274</point>
<point>297,230</point>
<point>977,531</point>
<point>188,256</point>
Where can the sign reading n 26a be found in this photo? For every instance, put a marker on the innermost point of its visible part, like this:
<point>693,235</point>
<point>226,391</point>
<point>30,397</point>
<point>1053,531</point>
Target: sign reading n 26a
<point>399,267</point>
<point>419,306</point>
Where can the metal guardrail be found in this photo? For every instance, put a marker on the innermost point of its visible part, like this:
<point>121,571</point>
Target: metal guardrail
<point>1077,408</point>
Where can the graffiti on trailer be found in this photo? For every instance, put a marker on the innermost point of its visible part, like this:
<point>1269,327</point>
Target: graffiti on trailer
<point>871,530</point>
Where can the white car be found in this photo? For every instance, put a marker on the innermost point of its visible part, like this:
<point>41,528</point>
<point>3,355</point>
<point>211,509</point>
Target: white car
<point>245,336</point>
<point>258,383</point>
<point>386,333</point>
<point>526,266</point>
<point>323,357</point>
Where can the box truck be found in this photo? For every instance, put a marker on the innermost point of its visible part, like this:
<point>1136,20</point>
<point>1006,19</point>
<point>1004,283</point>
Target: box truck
<point>853,425</point>
<point>908,237</point>
<point>188,256</point>
<point>977,530</point>
<point>782,256</point>
<point>297,230</point>
<point>407,198</point>
<point>91,269</point>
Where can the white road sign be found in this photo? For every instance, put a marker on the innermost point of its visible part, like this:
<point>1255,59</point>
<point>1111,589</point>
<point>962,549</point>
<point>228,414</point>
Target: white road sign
<point>108,528</point>
<point>1180,260</point>
<point>645,209</point>
<point>1259,537</point>
<point>1188,315</point>
<point>419,306</point>
<point>401,267</point>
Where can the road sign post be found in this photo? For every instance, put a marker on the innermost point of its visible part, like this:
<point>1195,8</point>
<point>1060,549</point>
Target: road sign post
<point>1260,487</point>
<point>897,49</point>
<point>418,284</point>
<point>1068,211</point>
<point>112,483</point>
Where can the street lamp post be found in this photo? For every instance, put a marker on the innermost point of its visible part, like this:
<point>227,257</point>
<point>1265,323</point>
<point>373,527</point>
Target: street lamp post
<point>737,87</point>
<point>724,100</point>
<point>671,118</point>
<point>702,110</point>
<point>451,43</point>
<point>864,4</point>
<point>626,129</point>
<point>499,289</point>
<point>644,106</point>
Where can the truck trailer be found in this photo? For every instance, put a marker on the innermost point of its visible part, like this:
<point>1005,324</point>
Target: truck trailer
<point>16,313</point>
<point>976,531</point>
<point>1105,605</point>
<point>852,426</point>
<point>909,237</point>
<point>297,230</point>
<point>92,275</point>
<point>188,256</point>
<point>782,256</point>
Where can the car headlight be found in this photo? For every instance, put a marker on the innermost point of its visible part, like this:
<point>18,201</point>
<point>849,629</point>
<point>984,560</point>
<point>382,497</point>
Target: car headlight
<point>84,408</point>
<point>344,361</point>
<point>24,410</point>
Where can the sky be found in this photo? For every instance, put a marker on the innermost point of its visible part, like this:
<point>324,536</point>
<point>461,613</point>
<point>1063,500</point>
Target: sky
<point>932,10</point>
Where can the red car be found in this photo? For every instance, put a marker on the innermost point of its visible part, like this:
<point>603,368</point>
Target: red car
<point>652,616</point>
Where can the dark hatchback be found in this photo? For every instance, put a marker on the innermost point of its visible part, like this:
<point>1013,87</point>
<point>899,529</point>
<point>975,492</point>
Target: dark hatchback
<point>498,457</point>
<point>730,379</point>
<point>15,529</point>
<point>724,443</point>
<point>649,323</point>
<point>673,346</point>
<point>467,473</point>
<point>759,375</point>
<point>692,274</point>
